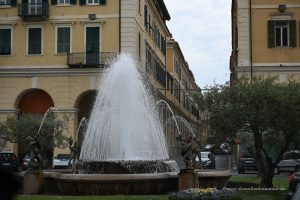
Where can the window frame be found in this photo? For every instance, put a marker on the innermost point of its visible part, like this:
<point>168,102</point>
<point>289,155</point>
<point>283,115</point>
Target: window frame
<point>56,38</point>
<point>27,40</point>
<point>92,4</point>
<point>100,35</point>
<point>60,4</point>
<point>6,4</point>
<point>11,39</point>
<point>281,27</point>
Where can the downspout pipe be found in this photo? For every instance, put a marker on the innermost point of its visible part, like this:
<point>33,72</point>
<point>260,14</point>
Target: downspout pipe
<point>120,26</point>
<point>250,45</point>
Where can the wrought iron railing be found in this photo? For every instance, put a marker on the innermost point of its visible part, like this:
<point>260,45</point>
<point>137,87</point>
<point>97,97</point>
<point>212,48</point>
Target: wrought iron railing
<point>33,9</point>
<point>99,59</point>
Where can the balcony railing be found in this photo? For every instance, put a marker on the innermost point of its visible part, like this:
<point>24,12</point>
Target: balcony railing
<point>33,10</point>
<point>99,59</point>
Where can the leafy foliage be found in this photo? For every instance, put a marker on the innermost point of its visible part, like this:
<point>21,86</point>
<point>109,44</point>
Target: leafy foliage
<point>267,111</point>
<point>52,134</point>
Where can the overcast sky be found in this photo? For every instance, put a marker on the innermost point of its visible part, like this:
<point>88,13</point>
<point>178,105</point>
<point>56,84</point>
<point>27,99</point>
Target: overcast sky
<point>203,30</point>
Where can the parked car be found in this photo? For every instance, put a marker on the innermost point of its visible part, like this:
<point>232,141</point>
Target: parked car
<point>290,161</point>
<point>25,162</point>
<point>246,162</point>
<point>207,160</point>
<point>9,161</point>
<point>294,180</point>
<point>61,161</point>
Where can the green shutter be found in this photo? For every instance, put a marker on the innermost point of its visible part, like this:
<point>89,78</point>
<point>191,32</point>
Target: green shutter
<point>53,2</point>
<point>146,16</point>
<point>293,35</point>
<point>102,2</point>
<point>73,2</point>
<point>82,2</point>
<point>13,3</point>
<point>271,35</point>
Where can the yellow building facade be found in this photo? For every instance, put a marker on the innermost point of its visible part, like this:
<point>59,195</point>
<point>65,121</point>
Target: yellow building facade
<point>266,39</point>
<point>53,53</point>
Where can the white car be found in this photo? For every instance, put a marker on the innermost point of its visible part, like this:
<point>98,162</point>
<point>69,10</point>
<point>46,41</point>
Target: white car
<point>61,161</point>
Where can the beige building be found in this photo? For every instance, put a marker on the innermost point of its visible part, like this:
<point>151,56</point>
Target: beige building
<point>52,53</point>
<point>265,39</point>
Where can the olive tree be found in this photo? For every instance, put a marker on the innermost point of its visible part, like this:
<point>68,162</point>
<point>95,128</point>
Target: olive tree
<point>52,134</point>
<point>268,111</point>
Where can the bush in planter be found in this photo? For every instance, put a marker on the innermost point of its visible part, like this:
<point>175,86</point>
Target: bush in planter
<point>205,194</point>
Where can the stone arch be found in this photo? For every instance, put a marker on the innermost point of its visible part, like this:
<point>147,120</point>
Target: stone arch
<point>35,101</point>
<point>85,103</point>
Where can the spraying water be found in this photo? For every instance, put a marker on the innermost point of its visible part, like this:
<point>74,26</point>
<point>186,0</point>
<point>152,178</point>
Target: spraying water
<point>124,125</point>
<point>51,109</point>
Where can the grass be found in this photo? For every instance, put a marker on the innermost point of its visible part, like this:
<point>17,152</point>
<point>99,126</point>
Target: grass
<point>116,197</point>
<point>281,183</point>
<point>277,182</point>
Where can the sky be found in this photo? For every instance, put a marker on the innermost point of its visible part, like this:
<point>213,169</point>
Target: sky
<point>203,30</point>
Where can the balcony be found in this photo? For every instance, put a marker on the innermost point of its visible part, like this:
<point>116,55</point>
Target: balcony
<point>90,60</point>
<point>33,10</point>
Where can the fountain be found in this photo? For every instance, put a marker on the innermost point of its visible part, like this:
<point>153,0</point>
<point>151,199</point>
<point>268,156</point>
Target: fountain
<point>124,143</point>
<point>124,149</point>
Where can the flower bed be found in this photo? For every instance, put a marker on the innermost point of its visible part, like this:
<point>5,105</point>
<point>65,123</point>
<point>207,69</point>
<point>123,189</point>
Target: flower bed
<point>205,194</point>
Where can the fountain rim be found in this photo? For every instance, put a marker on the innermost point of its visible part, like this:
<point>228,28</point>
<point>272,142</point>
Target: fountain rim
<point>112,177</point>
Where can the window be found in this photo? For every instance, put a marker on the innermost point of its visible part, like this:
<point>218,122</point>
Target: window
<point>63,1</point>
<point>176,90</point>
<point>63,39</point>
<point>282,33</point>
<point>5,41</point>
<point>149,61</point>
<point>139,45</point>
<point>92,2</point>
<point>8,2</point>
<point>160,74</point>
<point>34,41</point>
<point>177,68</point>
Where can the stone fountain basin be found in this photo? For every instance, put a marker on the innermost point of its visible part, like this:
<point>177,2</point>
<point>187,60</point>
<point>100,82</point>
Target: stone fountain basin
<point>111,184</point>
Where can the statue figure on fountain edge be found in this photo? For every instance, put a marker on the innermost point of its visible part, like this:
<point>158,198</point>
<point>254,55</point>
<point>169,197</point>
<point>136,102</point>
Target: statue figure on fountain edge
<point>191,148</point>
<point>74,153</point>
<point>36,161</point>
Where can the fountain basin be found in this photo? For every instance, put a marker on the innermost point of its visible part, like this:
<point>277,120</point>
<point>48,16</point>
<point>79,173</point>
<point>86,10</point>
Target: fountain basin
<point>112,184</point>
<point>209,178</point>
<point>126,167</point>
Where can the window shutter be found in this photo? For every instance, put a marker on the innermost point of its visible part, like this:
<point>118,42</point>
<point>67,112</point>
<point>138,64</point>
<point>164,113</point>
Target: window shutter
<point>271,35</point>
<point>146,16</point>
<point>82,2</point>
<point>292,26</point>
<point>13,3</point>
<point>102,2</point>
<point>53,2</point>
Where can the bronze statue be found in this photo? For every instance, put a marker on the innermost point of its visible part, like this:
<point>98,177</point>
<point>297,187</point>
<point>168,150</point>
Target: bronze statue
<point>36,161</point>
<point>74,152</point>
<point>186,151</point>
<point>196,151</point>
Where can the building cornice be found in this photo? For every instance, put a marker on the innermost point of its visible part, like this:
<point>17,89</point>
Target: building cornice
<point>10,110</point>
<point>273,6</point>
<point>28,72</point>
<point>260,68</point>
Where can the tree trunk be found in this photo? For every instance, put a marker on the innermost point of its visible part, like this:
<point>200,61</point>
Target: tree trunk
<point>267,179</point>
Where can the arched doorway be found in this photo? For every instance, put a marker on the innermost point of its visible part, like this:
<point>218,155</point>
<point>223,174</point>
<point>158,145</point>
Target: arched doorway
<point>33,104</point>
<point>85,105</point>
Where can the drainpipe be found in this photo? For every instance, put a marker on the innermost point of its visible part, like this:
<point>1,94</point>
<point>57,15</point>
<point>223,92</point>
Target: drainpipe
<point>119,26</point>
<point>251,49</point>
